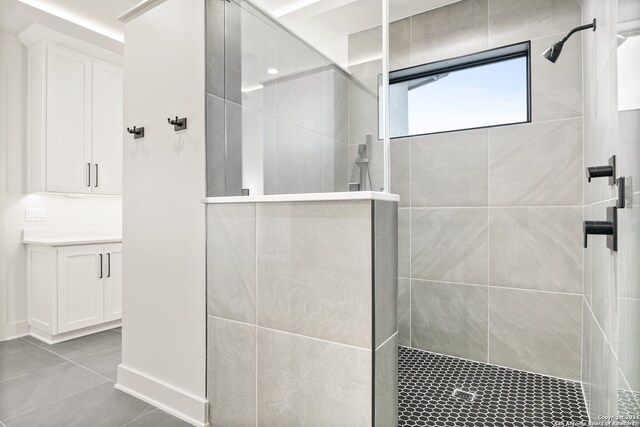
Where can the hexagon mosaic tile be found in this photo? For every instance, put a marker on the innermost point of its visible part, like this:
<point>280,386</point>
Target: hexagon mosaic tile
<point>502,397</point>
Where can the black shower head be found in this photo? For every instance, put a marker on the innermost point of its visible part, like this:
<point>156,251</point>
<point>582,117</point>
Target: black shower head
<point>553,52</point>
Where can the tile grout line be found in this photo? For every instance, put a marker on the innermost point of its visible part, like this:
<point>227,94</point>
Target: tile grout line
<point>58,400</point>
<point>141,416</point>
<point>291,333</point>
<point>76,363</point>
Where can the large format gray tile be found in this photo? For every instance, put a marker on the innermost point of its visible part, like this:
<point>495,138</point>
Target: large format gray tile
<point>303,381</point>
<point>449,169</point>
<point>449,318</point>
<point>515,21</point>
<point>231,373</point>
<point>335,103</point>
<point>363,108</point>
<point>404,312</point>
<point>364,45</point>
<point>157,418</point>
<point>234,127</point>
<point>400,44</point>
<point>335,168</point>
<point>401,170</point>
<point>535,331</point>
<point>536,248</point>
<point>385,228</point>
<point>231,266</point>
<point>450,244</point>
<point>11,346</point>
<point>215,150</point>
<point>537,164</point>
<point>386,383</point>
<point>556,89</point>
<point>299,159</point>
<point>314,269</point>
<point>215,47</point>
<point>31,391</point>
<point>27,361</point>
<point>449,31</point>
<point>299,88</point>
<point>258,152</point>
<point>99,352</point>
<point>101,406</point>
<point>605,282</point>
<point>404,242</point>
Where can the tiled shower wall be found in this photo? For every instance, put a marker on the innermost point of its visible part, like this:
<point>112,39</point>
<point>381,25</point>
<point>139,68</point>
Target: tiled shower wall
<point>490,256</point>
<point>273,134</point>
<point>301,310</point>
<point>611,304</point>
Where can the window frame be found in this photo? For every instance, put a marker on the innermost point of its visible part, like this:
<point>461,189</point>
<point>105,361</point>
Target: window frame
<point>486,57</point>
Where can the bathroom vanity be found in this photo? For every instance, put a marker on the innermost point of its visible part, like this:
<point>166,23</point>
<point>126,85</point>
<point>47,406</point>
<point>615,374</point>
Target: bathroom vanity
<point>74,284</point>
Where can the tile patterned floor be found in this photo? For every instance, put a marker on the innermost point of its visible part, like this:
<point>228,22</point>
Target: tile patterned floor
<point>503,397</point>
<point>70,385</point>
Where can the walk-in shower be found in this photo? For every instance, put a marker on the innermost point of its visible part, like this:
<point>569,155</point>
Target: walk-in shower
<point>503,318</point>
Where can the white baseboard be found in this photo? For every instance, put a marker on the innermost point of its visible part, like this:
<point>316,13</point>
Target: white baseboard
<point>66,336</point>
<point>186,406</point>
<point>16,330</point>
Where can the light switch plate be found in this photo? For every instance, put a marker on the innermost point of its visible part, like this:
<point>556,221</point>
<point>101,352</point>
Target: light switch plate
<point>35,214</point>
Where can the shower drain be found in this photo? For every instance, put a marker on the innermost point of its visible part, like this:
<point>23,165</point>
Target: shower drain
<point>463,395</point>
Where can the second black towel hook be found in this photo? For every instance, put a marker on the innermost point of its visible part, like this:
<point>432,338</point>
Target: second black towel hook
<point>178,124</point>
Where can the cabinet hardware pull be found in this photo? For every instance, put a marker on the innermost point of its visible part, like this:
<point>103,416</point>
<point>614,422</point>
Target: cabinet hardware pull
<point>96,175</point>
<point>100,277</point>
<point>88,174</point>
<point>108,264</point>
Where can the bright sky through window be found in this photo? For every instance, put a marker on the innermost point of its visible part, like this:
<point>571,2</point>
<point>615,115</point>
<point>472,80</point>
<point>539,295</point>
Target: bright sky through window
<point>486,89</point>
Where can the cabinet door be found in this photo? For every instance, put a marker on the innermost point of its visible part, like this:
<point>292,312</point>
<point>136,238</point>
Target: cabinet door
<point>113,282</point>
<point>68,121</point>
<point>80,287</point>
<point>107,128</point>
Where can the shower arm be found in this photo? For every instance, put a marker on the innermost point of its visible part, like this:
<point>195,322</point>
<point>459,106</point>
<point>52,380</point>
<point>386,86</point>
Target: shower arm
<point>580,28</point>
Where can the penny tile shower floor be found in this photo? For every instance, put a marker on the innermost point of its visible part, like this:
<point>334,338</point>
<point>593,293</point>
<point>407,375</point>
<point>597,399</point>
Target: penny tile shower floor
<point>502,397</point>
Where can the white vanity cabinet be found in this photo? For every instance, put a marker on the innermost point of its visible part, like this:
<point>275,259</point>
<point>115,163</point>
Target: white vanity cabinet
<point>74,290</point>
<point>75,122</point>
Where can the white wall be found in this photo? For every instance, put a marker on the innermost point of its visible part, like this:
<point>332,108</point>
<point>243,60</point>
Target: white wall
<point>62,212</point>
<point>164,299</point>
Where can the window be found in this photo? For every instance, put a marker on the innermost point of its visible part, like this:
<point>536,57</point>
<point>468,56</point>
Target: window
<point>489,88</point>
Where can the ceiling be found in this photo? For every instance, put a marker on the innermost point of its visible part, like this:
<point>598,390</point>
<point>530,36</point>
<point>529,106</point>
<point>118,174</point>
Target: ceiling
<point>92,20</point>
<point>323,23</point>
<point>326,24</point>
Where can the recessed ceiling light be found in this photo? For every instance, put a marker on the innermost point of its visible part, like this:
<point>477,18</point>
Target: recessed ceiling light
<point>272,71</point>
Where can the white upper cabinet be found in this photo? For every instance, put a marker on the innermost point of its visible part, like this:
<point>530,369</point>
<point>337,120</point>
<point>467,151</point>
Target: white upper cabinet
<point>68,136</point>
<point>75,129</point>
<point>107,128</point>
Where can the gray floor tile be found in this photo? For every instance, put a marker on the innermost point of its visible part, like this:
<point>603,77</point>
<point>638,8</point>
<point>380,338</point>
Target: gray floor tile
<point>26,361</point>
<point>12,346</point>
<point>28,392</point>
<point>35,341</point>
<point>99,352</point>
<point>157,418</point>
<point>100,406</point>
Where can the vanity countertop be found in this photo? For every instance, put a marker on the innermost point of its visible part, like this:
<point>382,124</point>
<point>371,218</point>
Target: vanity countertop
<point>70,237</point>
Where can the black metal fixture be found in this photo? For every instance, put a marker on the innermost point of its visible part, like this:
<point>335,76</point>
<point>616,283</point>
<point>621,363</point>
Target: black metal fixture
<point>178,124</point>
<point>137,132</point>
<point>620,204</point>
<point>602,171</point>
<point>553,52</point>
<point>608,228</point>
